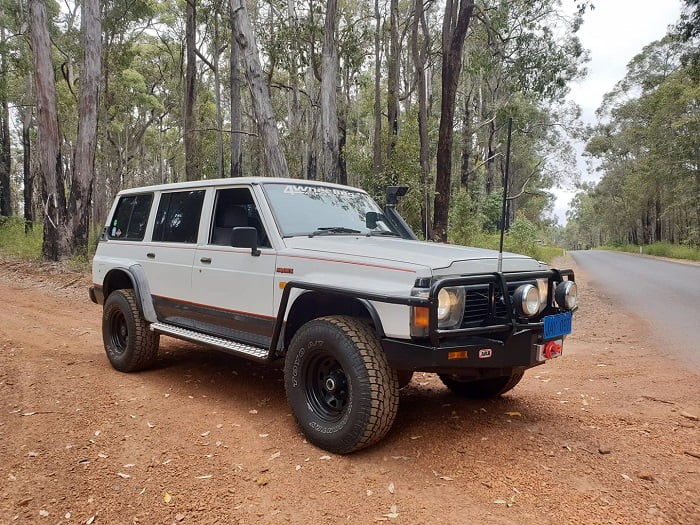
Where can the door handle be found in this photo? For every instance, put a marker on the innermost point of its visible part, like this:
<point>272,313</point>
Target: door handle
<point>206,260</point>
<point>151,255</point>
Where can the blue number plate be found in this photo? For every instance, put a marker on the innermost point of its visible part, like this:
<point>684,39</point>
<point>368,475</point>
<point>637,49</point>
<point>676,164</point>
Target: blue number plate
<point>557,325</point>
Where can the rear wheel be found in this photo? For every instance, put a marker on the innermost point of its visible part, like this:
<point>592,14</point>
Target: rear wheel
<point>480,388</point>
<point>342,392</point>
<point>128,341</point>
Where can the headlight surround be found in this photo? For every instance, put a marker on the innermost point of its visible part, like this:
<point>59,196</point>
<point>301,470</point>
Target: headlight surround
<point>527,300</point>
<point>543,289</point>
<point>566,295</point>
<point>450,307</point>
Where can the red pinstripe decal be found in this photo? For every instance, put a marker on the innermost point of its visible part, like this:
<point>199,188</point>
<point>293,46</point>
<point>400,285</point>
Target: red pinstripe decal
<point>349,262</point>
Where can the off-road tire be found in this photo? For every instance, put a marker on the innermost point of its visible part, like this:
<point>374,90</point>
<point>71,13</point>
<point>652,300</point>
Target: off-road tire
<point>129,343</point>
<point>342,392</point>
<point>480,388</point>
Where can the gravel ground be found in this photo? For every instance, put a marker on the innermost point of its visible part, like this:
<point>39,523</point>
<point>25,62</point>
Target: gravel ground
<point>608,433</point>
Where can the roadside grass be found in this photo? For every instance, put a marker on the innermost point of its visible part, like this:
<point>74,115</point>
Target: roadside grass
<point>660,249</point>
<point>15,243</point>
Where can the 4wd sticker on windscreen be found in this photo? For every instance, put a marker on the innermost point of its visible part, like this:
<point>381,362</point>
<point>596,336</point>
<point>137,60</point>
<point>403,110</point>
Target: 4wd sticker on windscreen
<point>299,189</point>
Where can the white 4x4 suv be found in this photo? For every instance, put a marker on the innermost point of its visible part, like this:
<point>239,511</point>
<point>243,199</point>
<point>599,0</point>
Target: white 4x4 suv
<point>318,275</point>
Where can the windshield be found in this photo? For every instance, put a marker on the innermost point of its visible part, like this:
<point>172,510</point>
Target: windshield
<point>305,209</point>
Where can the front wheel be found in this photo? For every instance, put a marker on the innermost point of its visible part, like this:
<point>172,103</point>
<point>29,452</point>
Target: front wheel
<point>128,341</point>
<point>342,392</point>
<point>480,388</point>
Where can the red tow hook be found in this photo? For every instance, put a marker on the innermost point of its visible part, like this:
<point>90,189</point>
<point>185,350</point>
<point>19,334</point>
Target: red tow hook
<point>552,349</point>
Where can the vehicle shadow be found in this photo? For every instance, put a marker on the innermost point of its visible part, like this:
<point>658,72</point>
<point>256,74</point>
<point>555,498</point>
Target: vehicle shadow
<point>426,411</point>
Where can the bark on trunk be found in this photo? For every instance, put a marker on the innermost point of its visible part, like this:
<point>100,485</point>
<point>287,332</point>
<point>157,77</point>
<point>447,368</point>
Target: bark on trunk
<point>5,143</point>
<point>458,14</point>
<point>377,163</point>
<point>235,86</point>
<point>393,80</point>
<point>275,160</point>
<point>217,95</point>
<point>48,140</point>
<point>419,56</point>
<point>27,175</point>
<point>329,107</point>
<point>78,218</point>
<point>191,171</point>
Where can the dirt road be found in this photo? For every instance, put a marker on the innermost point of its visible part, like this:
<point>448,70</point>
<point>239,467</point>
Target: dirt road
<point>605,434</point>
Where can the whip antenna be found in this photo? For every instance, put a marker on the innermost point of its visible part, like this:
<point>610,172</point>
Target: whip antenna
<point>505,196</point>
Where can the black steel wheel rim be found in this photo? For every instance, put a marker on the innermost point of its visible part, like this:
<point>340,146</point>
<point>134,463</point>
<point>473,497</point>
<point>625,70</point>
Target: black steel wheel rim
<point>327,389</point>
<point>118,331</point>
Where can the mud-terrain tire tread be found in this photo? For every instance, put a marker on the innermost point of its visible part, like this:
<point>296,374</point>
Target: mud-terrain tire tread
<point>382,380</point>
<point>481,388</point>
<point>143,342</point>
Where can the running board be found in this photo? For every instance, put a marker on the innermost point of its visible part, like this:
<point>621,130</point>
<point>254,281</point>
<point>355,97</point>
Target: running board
<point>227,345</point>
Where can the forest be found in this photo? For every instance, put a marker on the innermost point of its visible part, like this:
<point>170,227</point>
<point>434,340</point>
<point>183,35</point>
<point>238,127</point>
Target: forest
<point>647,149</point>
<point>100,96</point>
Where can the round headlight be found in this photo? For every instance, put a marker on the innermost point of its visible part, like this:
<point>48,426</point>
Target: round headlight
<point>566,295</point>
<point>527,300</point>
<point>446,300</point>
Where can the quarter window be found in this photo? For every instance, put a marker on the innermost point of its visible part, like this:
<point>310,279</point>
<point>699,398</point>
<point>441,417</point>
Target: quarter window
<point>130,217</point>
<point>178,216</point>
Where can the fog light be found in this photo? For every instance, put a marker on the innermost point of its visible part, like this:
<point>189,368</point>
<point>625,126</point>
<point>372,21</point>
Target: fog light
<point>527,300</point>
<point>566,295</point>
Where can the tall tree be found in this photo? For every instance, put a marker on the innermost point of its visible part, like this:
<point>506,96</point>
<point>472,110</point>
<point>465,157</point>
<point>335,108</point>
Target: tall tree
<point>235,92</point>
<point>458,14</point>
<point>5,138</point>
<point>275,160</point>
<point>190,100</point>
<point>419,53</point>
<point>78,218</point>
<point>330,156</point>
<point>377,144</point>
<point>393,78</point>
<point>49,139</point>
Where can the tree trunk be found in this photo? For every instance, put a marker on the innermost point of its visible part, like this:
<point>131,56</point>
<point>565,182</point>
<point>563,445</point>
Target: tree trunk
<point>458,14</point>
<point>48,139</point>
<point>466,142</point>
<point>329,106</point>
<point>5,139</point>
<point>377,163</point>
<point>275,160</point>
<point>28,177</point>
<point>78,217</point>
<point>191,171</point>
<point>419,56</point>
<point>217,97</point>
<point>235,85</point>
<point>393,79</point>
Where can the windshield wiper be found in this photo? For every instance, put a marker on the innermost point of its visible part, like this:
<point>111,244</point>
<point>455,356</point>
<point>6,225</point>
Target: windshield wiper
<point>331,230</point>
<point>372,233</point>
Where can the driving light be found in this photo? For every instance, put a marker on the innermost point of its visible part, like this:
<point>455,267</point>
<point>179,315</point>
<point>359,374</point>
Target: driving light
<point>566,295</point>
<point>542,288</point>
<point>450,307</point>
<point>527,300</point>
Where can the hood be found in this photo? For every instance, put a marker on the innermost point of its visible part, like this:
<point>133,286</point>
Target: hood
<point>442,259</point>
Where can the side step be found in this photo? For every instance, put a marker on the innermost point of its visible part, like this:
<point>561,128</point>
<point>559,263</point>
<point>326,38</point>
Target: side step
<point>227,345</point>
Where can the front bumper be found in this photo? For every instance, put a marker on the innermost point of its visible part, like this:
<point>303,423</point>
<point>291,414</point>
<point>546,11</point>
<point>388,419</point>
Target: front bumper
<point>467,356</point>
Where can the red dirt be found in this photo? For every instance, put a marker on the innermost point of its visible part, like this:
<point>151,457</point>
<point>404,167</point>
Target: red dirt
<point>604,434</point>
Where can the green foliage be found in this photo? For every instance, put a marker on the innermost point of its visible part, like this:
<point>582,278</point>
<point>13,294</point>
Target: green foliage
<point>14,242</point>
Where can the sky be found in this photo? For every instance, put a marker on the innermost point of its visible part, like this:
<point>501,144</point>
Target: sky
<point>614,32</point>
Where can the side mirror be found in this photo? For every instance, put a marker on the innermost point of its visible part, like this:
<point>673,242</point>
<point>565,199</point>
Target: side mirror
<point>371,218</point>
<point>246,237</point>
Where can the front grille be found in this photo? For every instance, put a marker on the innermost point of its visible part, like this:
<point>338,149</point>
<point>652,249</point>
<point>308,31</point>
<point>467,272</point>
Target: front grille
<point>477,307</point>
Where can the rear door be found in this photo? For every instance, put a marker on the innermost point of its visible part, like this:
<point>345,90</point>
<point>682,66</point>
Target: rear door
<point>168,257</point>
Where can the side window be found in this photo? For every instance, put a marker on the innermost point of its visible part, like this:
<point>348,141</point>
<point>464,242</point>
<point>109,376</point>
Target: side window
<point>130,217</point>
<point>178,216</point>
<point>234,208</point>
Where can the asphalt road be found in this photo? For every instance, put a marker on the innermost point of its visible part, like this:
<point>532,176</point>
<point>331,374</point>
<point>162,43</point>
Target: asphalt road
<point>664,293</point>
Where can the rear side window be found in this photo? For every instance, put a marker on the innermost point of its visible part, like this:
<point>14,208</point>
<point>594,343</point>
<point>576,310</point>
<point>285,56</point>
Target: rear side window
<point>178,216</point>
<point>130,217</point>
